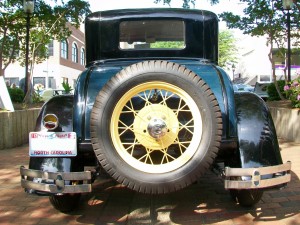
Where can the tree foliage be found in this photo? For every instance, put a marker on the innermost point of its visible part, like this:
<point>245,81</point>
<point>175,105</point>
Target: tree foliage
<point>51,20</point>
<point>185,3</point>
<point>265,18</point>
<point>11,31</point>
<point>227,48</point>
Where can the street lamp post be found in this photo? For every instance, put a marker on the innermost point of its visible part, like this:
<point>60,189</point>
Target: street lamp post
<point>287,5</point>
<point>28,9</point>
<point>233,70</point>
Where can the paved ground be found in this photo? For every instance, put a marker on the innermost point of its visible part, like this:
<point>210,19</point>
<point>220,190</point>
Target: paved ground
<point>204,203</point>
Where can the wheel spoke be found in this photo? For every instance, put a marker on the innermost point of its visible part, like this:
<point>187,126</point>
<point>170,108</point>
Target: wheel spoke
<point>182,145</point>
<point>130,149</point>
<point>125,128</point>
<point>147,156</point>
<point>166,156</point>
<point>186,127</point>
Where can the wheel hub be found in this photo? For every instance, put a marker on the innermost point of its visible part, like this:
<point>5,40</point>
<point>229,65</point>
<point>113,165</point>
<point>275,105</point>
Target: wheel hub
<point>157,128</point>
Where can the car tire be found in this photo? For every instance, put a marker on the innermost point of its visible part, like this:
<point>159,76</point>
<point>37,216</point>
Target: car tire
<point>246,198</point>
<point>156,127</point>
<point>65,202</point>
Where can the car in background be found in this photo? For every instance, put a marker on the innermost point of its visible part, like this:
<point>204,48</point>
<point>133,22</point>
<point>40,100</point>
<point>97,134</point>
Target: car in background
<point>243,87</point>
<point>49,93</point>
<point>261,90</point>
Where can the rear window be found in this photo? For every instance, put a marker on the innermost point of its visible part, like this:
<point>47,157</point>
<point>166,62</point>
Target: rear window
<point>152,34</point>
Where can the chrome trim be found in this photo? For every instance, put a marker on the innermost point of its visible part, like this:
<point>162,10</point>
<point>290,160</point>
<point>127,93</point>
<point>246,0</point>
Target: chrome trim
<point>55,123</point>
<point>256,181</point>
<point>57,181</point>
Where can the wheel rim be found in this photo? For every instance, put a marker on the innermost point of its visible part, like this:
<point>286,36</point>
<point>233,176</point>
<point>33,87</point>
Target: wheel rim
<point>156,127</point>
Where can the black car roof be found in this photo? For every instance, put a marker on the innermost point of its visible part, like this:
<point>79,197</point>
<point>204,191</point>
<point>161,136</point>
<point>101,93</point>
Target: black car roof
<point>195,14</point>
<point>102,34</point>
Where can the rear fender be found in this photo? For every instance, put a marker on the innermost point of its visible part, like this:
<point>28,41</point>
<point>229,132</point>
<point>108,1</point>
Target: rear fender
<point>62,107</point>
<point>257,139</point>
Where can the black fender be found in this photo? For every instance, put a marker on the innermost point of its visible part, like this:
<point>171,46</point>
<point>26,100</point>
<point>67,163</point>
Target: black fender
<point>62,107</point>
<point>257,140</point>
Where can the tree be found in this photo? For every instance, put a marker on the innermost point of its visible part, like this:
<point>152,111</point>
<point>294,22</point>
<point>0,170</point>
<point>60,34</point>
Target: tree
<point>227,48</point>
<point>186,3</point>
<point>264,18</point>
<point>11,29</point>
<point>51,20</point>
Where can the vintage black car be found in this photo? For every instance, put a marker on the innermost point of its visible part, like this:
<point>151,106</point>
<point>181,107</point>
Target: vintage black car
<point>154,111</point>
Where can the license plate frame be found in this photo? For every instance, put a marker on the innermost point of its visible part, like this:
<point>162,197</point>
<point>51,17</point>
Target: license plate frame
<point>52,144</point>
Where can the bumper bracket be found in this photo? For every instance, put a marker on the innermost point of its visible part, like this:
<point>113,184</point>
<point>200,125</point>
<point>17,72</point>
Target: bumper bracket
<point>280,174</point>
<point>51,182</point>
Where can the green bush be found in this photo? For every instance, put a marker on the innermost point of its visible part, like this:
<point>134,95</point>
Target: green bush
<point>16,95</point>
<point>36,97</point>
<point>67,87</point>
<point>272,92</point>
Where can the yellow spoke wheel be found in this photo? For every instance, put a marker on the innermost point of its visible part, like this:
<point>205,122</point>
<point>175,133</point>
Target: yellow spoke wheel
<point>155,127</point>
<point>160,141</point>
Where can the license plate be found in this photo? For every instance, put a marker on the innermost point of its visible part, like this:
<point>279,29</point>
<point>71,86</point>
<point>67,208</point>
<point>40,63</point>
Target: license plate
<point>52,144</point>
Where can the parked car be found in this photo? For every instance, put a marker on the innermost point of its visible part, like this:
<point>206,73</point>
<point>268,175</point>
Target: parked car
<point>261,89</point>
<point>153,111</point>
<point>50,93</point>
<point>243,87</point>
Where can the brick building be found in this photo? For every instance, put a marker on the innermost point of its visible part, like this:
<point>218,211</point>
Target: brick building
<point>65,62</point>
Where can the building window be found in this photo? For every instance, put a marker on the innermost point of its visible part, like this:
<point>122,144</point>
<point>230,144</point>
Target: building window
<point>51,83</point>
<point>74,83</point>
<point>64,49</point>
<point>65,80</point>
<point>74,53</point>
<point>50,48</point>
<point>39,83</point>
<point>82,55</point>
<point>12,81</point>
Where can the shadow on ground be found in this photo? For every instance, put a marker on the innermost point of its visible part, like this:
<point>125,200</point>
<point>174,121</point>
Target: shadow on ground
<point>203,203</point>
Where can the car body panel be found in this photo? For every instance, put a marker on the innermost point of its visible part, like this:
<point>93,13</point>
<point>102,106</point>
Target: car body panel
<point>97,77</point>
<point>102,37</point>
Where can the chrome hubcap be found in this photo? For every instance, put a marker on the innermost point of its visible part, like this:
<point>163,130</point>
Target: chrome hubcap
<point>157,128</point>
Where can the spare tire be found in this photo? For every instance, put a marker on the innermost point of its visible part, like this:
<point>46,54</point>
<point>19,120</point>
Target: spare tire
<point>156,127</point>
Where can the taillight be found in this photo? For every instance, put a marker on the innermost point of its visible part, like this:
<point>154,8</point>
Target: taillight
<point>50,121</point>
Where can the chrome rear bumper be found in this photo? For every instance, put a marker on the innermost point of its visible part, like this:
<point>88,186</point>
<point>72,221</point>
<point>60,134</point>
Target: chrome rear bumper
<point>50,182</point>
<point>279,174</point>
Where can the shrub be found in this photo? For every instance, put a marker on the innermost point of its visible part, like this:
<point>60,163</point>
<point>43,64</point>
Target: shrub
<point>272,92</point>
<point>36,97</point>
<point>67,87</point>
<point>16,95</point>
<point>292,90</point>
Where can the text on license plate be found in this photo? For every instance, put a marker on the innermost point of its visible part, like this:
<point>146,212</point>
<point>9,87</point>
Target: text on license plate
<point>52,144</point>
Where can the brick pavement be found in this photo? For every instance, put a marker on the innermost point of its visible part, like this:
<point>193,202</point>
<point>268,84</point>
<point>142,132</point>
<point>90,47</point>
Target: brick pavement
<point>110,204</point>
